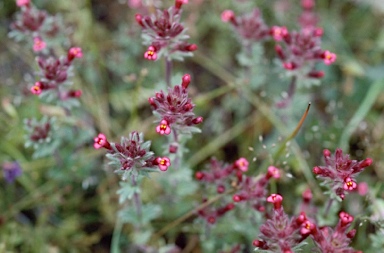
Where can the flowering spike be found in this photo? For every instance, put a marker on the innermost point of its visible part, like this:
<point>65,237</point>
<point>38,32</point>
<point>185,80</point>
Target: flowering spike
<point>163,163</point>
<point>328,57</point>
<point>163,128</point>
<point>38,44</point>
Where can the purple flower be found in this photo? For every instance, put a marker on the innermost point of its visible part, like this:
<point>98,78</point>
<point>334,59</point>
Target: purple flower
<point>11,170</point>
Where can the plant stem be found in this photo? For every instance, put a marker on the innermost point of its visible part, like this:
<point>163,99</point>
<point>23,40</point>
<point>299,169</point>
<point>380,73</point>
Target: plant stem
<point>330,201</point>
<point>291,90</point>
<point>116,236</point>
<point>178,154</point>
<point>168,71</point>
<point>137,200</point>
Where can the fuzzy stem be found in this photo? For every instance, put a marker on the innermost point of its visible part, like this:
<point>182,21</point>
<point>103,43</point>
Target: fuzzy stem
<point>291,90</point>
<point>116,237</point>
<point>137,200</point>
<point>168,71</point>
<point>330,201</point>
<point>178,154</point>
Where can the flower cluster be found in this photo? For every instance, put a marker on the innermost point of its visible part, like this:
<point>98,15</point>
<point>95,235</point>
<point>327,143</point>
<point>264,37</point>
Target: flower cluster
<point>283,234</point>
<point>222,175</point>
<point>164,34</point>
<point>280,233</point>
<point>38,131</point>
<point>34,24</point>
<point>175,109</point>
<point>300,50</point>
<point>54,74</point>
<point>340,171</point>
<point>332,240</point>
<point>253,190</point>
<point>211,213</point>
<point>132,155</point>
<point>250,27</point>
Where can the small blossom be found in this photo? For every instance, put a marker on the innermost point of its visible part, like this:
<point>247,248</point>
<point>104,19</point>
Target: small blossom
<point>38,44</point>
<point>74,52</point>
<point>273,172</point>
<point>307,227</point>
<point>75,93</point>
<point>179,3</point>
<point>349,184</point>
<point>362,188</point>
<point>37,88</point>
<point>276,199</point>
<point>163,128</point>
<point>345,218</point>
<point>22,2</point>
<point>11,170</point>
<point>100,141</point>
<point>186,79</point>
<point>242,164</point>
<point>227,15</point>
<point>329,57</point>
<point>278,33</point>
<point>163,163</point>
<point>150,54</point>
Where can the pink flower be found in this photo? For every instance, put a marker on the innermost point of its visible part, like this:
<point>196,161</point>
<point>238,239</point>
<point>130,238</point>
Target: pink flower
<point>37,88</point>
<point>276,199</point>
<point>242,164</point>
<point>307,227</point>
<point>163,128</point>
<point>279,33</point>
<point>150,54</point>
<point>101,141</point>
<point>163,163</point>
<point>179,3</point>
<point>362,188</point>
<point>329,57</point>
<point>273,172</point>
<point>135,4</point>
<point>349,184</point>
<point>38,44</point>
<point>227,16</point>
<point>345,218</point>
<point>74,52</point>
<point>22,2</point>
